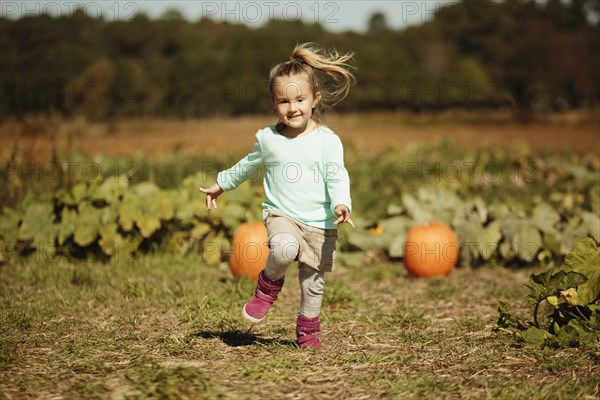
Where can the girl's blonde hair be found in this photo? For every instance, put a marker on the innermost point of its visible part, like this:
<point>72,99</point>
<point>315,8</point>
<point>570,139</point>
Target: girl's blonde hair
<point>307,58</point>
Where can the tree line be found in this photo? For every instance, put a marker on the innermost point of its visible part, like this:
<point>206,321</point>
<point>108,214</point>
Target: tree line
<point>521,54</point>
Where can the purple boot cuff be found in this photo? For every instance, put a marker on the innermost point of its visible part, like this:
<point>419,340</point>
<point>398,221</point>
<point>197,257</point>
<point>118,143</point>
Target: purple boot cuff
<point>307,332</point>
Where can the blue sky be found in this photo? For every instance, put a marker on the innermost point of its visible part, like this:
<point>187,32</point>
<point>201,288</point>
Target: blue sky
<point>335,16</point>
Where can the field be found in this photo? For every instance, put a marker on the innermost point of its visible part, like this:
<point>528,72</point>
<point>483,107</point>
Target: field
<point>170,327</point>
<point>372,133</point>
<point>167,325</point>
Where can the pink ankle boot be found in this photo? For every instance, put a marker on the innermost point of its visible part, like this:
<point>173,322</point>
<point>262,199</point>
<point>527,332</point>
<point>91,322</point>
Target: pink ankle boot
<point>265,295</point>
<point>307,332</point>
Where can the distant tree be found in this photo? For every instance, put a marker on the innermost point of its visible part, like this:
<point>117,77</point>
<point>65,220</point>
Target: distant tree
<point>91,92</point>
<point>172,15</point>
<point>377,24</point>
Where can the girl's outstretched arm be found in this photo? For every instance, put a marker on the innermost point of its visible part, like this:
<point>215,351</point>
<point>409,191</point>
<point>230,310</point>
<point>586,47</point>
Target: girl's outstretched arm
<point>343,214</point>
<point>212,192</point>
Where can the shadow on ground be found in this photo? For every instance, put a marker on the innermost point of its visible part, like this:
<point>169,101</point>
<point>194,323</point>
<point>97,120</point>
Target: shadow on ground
<point>235,338</point>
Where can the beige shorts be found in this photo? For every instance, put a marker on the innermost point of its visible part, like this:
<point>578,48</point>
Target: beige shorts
<point>317,246</point>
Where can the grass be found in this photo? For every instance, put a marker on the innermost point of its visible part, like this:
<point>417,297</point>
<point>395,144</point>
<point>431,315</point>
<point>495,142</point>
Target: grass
<point>169,327</point>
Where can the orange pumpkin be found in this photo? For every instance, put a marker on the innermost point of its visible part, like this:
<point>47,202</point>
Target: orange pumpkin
<point>430,250</point>
<point>249,251</point>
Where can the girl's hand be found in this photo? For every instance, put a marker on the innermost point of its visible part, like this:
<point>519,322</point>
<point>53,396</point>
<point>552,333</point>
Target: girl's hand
<point>343,214</point>
<point>212,193</point>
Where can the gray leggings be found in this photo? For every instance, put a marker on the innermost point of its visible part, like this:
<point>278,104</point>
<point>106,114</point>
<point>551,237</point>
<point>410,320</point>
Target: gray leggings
<point>284,250</point>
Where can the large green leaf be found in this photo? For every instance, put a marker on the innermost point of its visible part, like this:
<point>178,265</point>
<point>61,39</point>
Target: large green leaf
<point>576,333</point>
<point>244,194</point>
<point>545,218</point>
<point>109,238</point>
<point>416,209</point>
<point>570,233</point>
<point>594,195</point>
<point>186,209</point>
<point>111,190</point>
<point>364,240</point>
<point>432,204</point>
<point>397,247</point>
<point>146,209</point>
<point>500,211</point>
<point>89,220</point>
<point>5,251</point>
<point>65,198</point>
<point>147,217</point>
<point>38,226</point>
<point>232,215</point>
<point>534,336</point>
<point>394,209</point>
<point>395,225</point>
<point>79,192</point>
<point>394,231</point>
<point>521,239</point>
<point>582,174</point>
<point>9,227</point>
<point>200,230</point>
<point>551,242</point>
<point>144,188</point>
<point>591,222</point>
<point>147,224</point>
<point>528,240</point>
<point>214,248</point>
<point>490,237</point>
<point>549,283</point>
<point>68,223</point>
<point>468,232</point>
<point>393,237</point>
<point>351,259</point>
<point>476,240</point>
<point>190,185</point>
<point>480,209</point>
<point>439,196</point>
<point>585,259</point>
<point>179,242</point>
<point>115,245</point>
<point>128,210</point>
<point>160,205</point>
<point>109,215</point>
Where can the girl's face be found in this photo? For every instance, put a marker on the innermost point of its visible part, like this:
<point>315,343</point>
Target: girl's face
<point>294,101</point>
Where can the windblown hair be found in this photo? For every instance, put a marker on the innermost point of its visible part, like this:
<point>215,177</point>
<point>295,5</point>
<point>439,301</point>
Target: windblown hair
<point>307,58</point>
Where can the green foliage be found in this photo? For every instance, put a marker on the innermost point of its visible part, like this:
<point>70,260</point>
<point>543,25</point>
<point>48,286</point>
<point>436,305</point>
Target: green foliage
<point>572,293</point>
<point>585,259</point>
<point>532,210</point>
<point>113,219</point>
<point>498,221</point>
<point>485,231</point>
<point>37,226</point>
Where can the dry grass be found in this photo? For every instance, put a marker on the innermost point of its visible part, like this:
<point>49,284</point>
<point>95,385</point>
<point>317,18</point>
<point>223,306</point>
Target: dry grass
<point>36,139</point>
<point>169,327</point>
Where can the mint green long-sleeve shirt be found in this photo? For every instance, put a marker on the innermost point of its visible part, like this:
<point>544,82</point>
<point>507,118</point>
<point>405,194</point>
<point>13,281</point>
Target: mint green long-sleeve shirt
<point>305,177</point>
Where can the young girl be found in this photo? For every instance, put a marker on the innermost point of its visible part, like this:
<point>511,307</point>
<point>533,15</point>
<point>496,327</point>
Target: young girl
<point>307,188</point>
